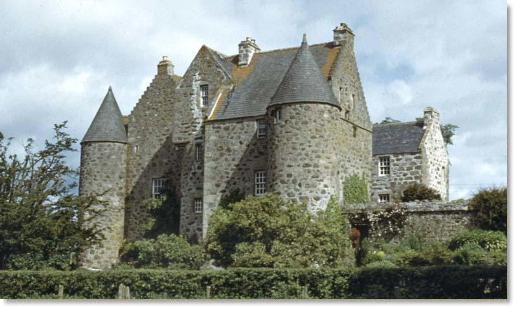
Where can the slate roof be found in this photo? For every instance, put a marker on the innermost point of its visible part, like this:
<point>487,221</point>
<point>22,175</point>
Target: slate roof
<point>254,90</point>
<point>303,81</point>
<point>107,125</point>
<point>395,138</point>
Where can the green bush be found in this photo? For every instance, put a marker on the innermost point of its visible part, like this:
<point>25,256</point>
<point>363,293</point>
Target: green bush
<point>488,240</point>
<point>269,232</point>
<point>490,208</point>
<point>419,192</point>
<point>422,282</point>
<point>164,251</point>
<point>356,190</point>
<point>471,254</point>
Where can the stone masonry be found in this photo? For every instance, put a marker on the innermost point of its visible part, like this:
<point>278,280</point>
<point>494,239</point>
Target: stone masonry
<point>292,121</point>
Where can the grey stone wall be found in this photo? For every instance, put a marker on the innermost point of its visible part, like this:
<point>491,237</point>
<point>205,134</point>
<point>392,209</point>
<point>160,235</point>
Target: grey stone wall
<point>151,153</point>
<point>189,130</point>
<point>103,170</point>
<point>430,220</point>
<point>303,164</point>
<point>405,169</point>
<point>233,153</point>
<point>435,155</point>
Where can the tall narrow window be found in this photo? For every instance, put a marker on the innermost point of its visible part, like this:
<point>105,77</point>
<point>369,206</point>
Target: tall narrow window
<point>198,205</point>
<point>384,166</point>
<point>384,198</point>
<point>158,187</point>
<point>204,89</point>
<point>198,152</point>
<point>355,129</point>
<point>277,116</point>
<point>261,128</point>
<point>260,182</point>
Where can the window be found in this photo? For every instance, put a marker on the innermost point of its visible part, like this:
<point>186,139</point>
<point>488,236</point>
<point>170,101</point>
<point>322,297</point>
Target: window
<point>384,198</point>
<point>261,128</point>
<point>198,152</point>
<point>355,129</point>
<point>198,205</point>
<point>277,115</point>
<point>384,166</point>
<point>346,115</point>
<point>135,148</point>
<point>204,89</point>
<point>260,182</point>
<point>158,187</point>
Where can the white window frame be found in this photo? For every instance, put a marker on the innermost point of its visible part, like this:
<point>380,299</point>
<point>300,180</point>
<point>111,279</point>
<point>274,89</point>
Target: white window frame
<point>384,166</point>
<point>198,206</point>
<point>262,128</point>
<point>158,186</point>
<point>198,152</point>
<point>260,183</point>
<point>383,198</point>
<point>204,94</point>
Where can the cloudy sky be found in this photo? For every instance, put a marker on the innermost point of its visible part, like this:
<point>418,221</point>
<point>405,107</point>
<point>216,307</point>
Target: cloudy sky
<point>59,57</point>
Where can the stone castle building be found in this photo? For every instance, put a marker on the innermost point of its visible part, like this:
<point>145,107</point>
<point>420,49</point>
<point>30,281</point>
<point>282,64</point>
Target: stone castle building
<point>292,121</point>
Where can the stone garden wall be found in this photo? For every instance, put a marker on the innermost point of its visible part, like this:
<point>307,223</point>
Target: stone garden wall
<point>430,220</point>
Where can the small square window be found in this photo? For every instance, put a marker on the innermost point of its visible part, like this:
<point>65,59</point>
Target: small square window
<point>198,206</point>
<point>384,198</point>
<point>384,166</point>
<point>198,152</point>
<point>261,128</point>
<point>158,187</point>
<point>260,182</point>
<point>204,89</point>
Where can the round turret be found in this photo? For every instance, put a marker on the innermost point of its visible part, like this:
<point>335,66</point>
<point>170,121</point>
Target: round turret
<point>103,171</point>
<point>303,117</point>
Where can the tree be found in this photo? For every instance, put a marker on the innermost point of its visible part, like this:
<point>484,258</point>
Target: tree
<point>42,222</point>
<point>267,231</point>
<point>419,192</point>
<point>448,131</point>
<point>490,209</point>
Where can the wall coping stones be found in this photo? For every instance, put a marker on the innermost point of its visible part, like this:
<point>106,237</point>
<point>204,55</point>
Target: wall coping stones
<point>416,206</point>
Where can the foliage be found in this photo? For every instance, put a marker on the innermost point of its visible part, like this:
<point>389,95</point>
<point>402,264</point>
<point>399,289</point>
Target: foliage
<point>381,224</point>
<point>231,198</point>
<point>490,208</point>
<point>43,223</point>
<point>389,120</point>
<point>269,232</point>
<point>356,190</point>
<point>419,192</point>
<point>164,215</point>
<point>448,131</point>
<point>165,251</point>
<point>488,240</point>
<point>455,281</point>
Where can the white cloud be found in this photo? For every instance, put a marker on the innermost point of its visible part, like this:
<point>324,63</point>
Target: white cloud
<point>60,57</point>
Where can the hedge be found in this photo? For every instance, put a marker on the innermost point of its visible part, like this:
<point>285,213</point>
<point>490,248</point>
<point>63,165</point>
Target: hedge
<point>417,282</point>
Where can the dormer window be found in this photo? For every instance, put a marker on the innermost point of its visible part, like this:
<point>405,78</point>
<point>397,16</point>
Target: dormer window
<point>204,90</point>
<point>277,116</point>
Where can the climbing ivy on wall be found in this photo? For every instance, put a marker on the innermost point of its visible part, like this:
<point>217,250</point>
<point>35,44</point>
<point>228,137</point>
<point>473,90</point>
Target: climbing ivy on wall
<point>356,190</point>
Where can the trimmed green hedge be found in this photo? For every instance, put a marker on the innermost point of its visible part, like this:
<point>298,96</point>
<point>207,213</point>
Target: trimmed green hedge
<point>417,282</point>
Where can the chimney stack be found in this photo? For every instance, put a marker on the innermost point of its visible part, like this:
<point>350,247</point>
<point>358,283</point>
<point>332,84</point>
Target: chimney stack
<point>165,66</point>
<point>341,33</point>
<point>247,48</point>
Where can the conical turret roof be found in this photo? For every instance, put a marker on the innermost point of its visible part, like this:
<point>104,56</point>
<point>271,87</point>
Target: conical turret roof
<point>303,81</point>
<point>107,125</point>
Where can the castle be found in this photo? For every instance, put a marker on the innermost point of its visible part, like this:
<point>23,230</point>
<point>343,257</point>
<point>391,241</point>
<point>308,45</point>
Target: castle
<point>292,121</point>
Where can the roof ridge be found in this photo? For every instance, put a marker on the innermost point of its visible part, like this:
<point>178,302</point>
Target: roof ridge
<point>282,49</point>
<point>396,123</point>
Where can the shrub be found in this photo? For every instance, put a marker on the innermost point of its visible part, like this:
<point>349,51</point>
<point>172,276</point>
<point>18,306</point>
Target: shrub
<point>164,251</point>
<point>278,234</point>
<point>419,192</point>
<point>356,190</point>
<point>488,240</point>
<point>456,281</point>
<point>490,208</point>
<point>472,254</point>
